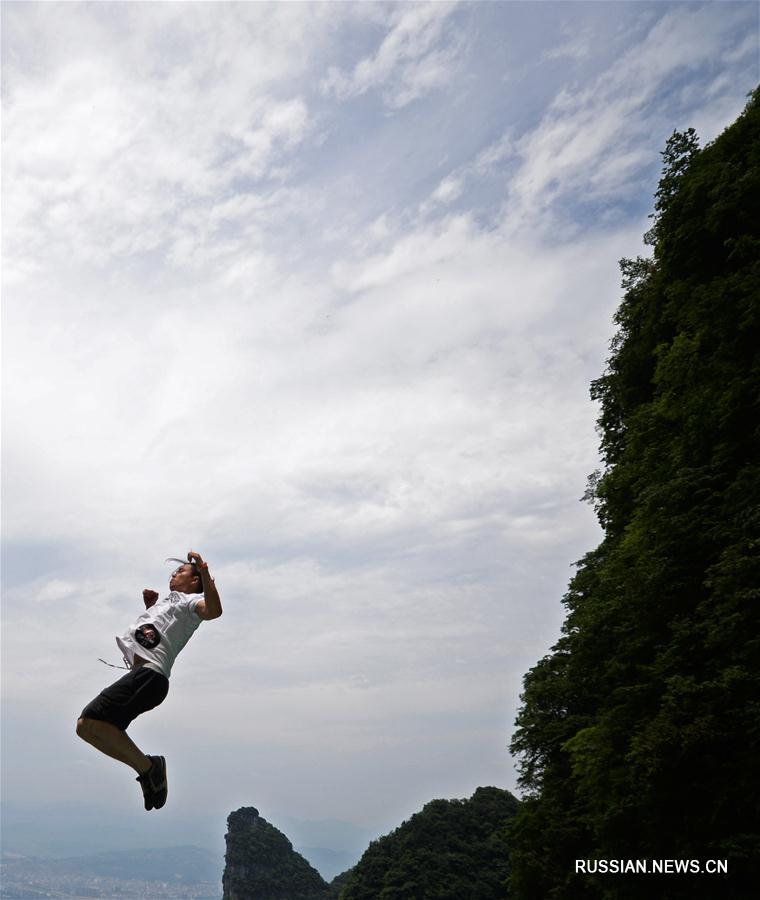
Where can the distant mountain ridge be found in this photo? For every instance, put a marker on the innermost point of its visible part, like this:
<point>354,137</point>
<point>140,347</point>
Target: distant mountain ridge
<point>60,830</point>
<point>186,872</point>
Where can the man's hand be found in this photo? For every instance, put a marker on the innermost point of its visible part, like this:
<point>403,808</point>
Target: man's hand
<point>211,606</point>
<point>149,597</point>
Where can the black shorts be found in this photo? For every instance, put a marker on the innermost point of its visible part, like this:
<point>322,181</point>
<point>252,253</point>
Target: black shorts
<point>136,692</point>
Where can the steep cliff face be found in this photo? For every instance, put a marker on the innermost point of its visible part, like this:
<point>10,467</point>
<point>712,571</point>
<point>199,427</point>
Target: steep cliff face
<point>261,863</point>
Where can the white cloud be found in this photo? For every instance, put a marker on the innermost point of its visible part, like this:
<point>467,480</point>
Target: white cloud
<point>593,142</point>
<point>110,161</point>
<point>408,64</point>
<point>447,191</point>
<point>577,47</point>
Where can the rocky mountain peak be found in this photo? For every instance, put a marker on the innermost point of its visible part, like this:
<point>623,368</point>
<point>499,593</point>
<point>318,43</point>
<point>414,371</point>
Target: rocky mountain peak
<point>261,863</point>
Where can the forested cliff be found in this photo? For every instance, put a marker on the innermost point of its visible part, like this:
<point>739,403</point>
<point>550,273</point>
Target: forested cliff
<point>639,733</point>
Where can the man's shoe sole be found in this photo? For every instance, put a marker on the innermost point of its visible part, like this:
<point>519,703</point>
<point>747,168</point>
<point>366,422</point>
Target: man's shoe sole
<point>147,792</point>
<point>159,786</point>
<point>153,783</point>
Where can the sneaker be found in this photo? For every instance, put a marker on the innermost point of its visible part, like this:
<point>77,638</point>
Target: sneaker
<point>153,783</point>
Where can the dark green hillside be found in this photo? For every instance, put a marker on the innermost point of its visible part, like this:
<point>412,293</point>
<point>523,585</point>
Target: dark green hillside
<point>451,850</point>
<point>639,734</point>
<point>262,865</point>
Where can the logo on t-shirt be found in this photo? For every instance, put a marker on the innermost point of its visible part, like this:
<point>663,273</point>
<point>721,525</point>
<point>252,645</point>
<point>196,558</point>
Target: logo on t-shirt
<point>147,636</point>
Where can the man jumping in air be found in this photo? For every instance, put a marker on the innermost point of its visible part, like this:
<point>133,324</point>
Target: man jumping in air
<point>150,646</point>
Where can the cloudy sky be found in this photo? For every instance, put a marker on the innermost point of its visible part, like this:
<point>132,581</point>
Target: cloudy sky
<point>318,290</point>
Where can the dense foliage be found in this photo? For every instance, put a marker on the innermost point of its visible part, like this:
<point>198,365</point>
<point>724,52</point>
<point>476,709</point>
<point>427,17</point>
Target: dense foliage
<point>451,850</point>
<point>261,863</point>
<point>639,734</point>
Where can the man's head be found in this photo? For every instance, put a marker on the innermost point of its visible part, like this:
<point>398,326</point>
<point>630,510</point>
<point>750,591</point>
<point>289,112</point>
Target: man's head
<point>186,579</point>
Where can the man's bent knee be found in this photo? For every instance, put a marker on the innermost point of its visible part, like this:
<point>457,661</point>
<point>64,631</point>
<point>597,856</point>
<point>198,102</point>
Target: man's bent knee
<point>86,728</point>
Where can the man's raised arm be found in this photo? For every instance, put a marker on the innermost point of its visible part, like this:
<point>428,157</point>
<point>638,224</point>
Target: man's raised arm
<point>211,606</point>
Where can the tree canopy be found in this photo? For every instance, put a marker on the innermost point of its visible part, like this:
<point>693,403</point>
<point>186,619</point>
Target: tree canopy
<point>639,733</point>
<point>450,850</point>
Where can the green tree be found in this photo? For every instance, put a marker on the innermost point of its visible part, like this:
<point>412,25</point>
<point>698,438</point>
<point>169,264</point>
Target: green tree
<point>639,733</point>
<point>452,849</point>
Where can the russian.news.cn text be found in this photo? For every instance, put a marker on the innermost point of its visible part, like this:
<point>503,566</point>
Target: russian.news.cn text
<point>651,867</point>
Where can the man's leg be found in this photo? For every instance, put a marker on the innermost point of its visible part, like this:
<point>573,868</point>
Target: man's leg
<point>113,742</point>
<point>104,721</point>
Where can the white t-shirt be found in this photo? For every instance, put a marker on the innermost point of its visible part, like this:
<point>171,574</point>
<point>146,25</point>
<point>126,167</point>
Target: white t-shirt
<point>162,631</point>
